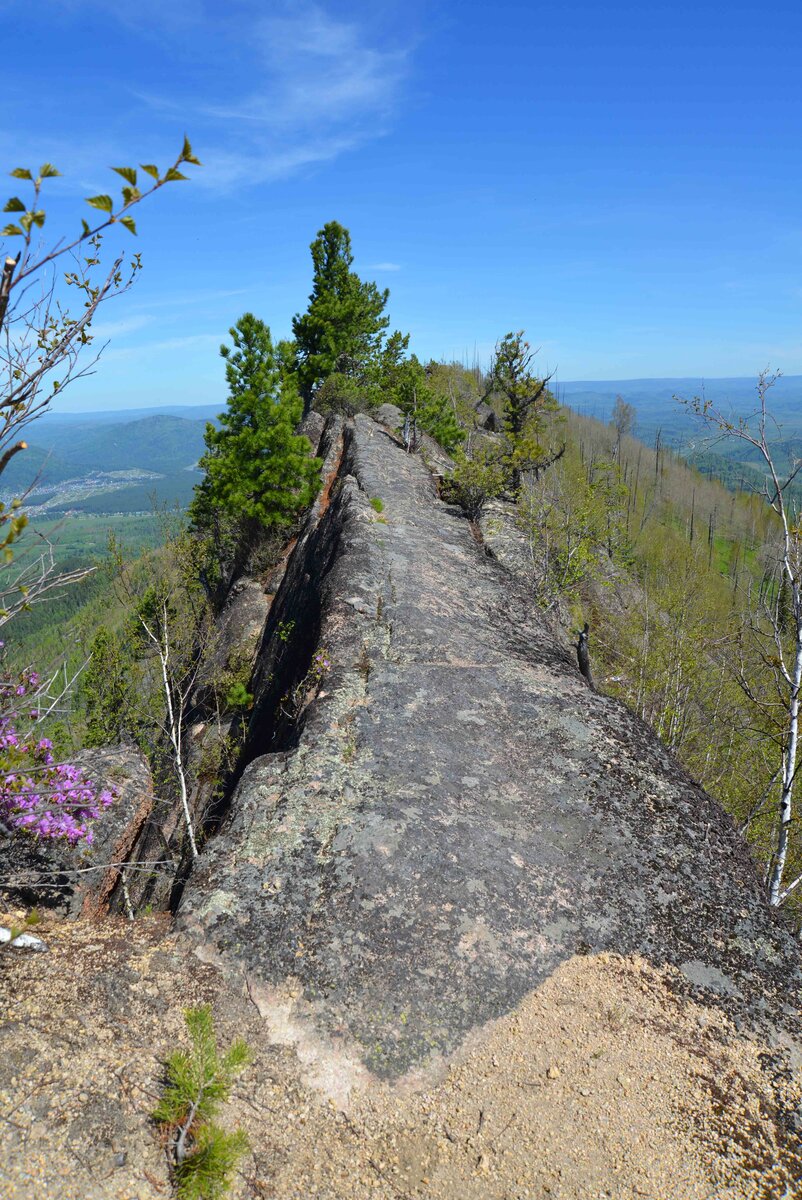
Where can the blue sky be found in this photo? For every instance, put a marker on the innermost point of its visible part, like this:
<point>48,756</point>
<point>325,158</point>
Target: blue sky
<point>623,180</point>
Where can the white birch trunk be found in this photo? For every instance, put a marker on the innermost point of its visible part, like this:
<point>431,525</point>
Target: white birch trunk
<point>789,771</point>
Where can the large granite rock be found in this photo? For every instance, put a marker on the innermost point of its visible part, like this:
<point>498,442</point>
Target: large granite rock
<point>453,813</point>
<point>391,416</point>
<point>486,417</point>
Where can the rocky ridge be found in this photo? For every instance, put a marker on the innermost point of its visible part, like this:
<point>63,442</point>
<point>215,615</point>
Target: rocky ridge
<point>454,813</point>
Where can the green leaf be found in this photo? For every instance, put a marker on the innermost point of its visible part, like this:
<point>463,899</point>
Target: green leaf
<point>130,194</point>
<point>187,155</point>
<point>48,171</point>
<point>151,170</point>
<point>128,222</point>
<point>38,218</point>
<point>21,173</point>
<point>14,205</point>
<point>128,174</point>
<point>85,228</point>
<point>104,203</point>
<point>173,175</point>
<point>237,1057</point>
<point>11,231</point>
<point>26,221</point>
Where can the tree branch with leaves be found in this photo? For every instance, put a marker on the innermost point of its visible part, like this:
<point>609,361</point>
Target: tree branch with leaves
<point>46,319</point>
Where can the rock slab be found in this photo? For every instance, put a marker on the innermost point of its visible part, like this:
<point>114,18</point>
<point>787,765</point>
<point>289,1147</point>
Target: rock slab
<point>456,814</point>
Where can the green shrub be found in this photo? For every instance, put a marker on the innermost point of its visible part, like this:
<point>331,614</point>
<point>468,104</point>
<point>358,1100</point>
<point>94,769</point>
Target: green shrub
<point>238,696</point>
<point>473,482</point>
<point>377,504</point>
<point>344,394</point>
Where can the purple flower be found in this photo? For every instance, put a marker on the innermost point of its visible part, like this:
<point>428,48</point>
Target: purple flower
<point>38,796</point>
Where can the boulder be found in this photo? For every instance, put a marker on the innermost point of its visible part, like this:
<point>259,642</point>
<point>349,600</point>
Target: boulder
<point>486,417</point>
<point>390,415</point>
<point>312,426</point>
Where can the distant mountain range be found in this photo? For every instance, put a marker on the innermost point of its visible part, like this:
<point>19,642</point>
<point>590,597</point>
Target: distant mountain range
<point>657,408</point>
<point>120,462</point>
<point>190,412</point>
<point>110,462</point>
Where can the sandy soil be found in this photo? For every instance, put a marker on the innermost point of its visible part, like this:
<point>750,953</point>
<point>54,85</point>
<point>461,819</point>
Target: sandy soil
<point>605,1082</point>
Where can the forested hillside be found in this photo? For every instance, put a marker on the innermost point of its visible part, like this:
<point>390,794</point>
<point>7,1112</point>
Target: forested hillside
<point>101,466</point>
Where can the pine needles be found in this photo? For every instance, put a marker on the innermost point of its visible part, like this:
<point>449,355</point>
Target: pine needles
<point>203,1155</point>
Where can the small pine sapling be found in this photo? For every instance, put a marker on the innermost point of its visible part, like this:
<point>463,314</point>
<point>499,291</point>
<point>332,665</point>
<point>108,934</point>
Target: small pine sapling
<point>203,1156</point>
<point>294,701</point>
<point>425,409</point>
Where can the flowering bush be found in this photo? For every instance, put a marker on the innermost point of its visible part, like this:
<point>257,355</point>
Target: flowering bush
<point>39,796</point>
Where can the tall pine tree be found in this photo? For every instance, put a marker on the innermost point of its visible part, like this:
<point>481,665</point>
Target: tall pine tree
<point>527,400</point>
<point>525,395</point>
<point>258,470</point>
<point>343,327</point>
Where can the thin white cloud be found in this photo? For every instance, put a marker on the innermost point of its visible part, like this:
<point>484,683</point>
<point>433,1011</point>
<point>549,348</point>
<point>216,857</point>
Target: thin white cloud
<point>199,297</point>
<point>284,92</point>
<point>384,266</point>
<point>197,341</point>
<point>318,70</point>
<point>226,169</point>
<point>322,88</point>
<point>115,329</point>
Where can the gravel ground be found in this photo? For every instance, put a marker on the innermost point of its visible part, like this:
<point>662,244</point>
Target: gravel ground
<point>606,1081</point>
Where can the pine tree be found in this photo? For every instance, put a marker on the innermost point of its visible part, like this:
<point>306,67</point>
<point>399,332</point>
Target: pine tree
<point>258,470</point>
<point>343,327</point>
<point>204,1155</point>
<point>525,395</point>
<point>526,400</point>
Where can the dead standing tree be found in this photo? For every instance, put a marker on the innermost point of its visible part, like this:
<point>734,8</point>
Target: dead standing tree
<point>774,622</point>
<point>623,422</point>
<point>172,630</point>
